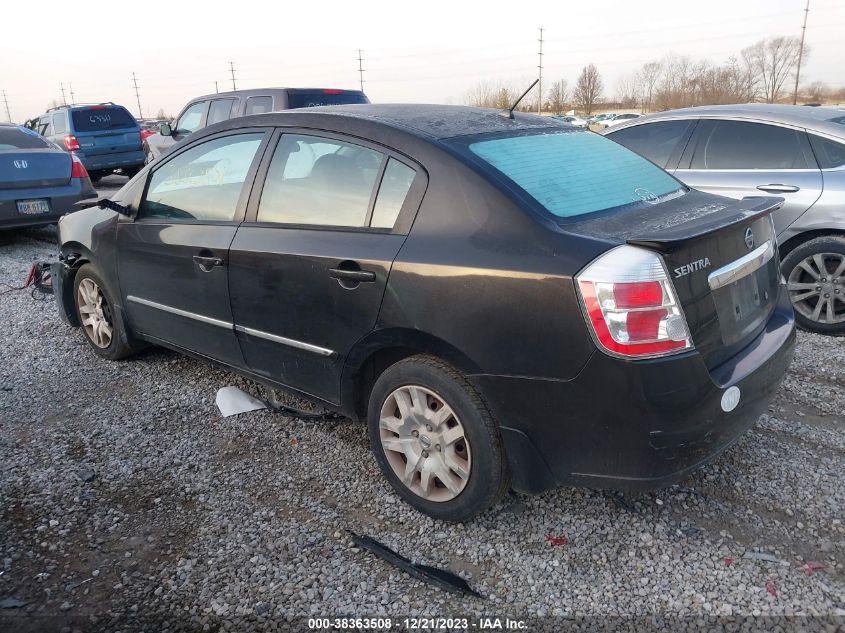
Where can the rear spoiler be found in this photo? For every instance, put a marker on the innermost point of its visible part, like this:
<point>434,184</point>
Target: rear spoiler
<point>670,238</point>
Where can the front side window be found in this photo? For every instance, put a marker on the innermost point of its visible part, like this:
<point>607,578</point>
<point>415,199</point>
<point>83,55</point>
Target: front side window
<point>829,154</point>
<point>313,180</point>
<point>744,145</point>
<point>190,120</point>
<point>655,141</point>
<point>574,173</point>
<point>45,126</point>
<point>202,183</point>
<point>219,110</point>
<point>258,105</point>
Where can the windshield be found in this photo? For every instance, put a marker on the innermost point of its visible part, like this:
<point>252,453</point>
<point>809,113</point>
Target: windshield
<point>101,118</point>
<point>574,173</point>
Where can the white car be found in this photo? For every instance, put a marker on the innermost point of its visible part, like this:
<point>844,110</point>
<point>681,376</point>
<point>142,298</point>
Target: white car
<point>616,119</point>
<point>572,120</point>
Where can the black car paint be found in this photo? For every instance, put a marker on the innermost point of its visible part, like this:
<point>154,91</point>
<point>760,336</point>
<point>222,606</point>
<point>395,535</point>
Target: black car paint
<point>480,283</point>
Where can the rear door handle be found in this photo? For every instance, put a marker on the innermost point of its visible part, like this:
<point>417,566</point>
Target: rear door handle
<point>207,263</point>
<point>778,188</point>
<point>356,276</point>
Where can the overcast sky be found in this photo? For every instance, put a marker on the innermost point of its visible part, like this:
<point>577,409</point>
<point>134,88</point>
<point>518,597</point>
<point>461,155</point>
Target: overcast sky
<point>423,51</point>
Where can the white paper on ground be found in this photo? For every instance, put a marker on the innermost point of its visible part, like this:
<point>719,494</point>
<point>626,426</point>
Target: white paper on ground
<point>231,401</point>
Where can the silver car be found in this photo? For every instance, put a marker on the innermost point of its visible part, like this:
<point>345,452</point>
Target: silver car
<point>796,152</point>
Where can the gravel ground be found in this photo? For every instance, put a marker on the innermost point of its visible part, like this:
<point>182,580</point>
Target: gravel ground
<point>127,503</point>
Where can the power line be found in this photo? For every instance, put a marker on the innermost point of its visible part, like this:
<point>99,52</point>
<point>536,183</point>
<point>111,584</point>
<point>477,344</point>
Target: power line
<point>800,54</point>
<point>137,95</point>
<point>232,70</point>
<point>6,101</point>
<point>361,70</point>
<point>540,79</point>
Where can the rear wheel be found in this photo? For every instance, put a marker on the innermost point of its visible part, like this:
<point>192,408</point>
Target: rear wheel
<point>96,176</point>
<point>815,278</point>
<point>103,330</point>
<point>435,440</point>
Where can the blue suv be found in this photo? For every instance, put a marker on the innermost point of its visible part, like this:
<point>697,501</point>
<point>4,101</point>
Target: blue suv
<point>105,136</point>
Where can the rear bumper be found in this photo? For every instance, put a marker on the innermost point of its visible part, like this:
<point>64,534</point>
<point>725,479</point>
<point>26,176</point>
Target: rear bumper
<point>62,200</point>
<point>97,162</point>
<point>635,425</point>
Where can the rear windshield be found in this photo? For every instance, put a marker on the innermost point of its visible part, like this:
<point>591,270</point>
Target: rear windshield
<point>102,118</point>
<point>20,138</point>
<point>322,98</point>
<point>574,173</point>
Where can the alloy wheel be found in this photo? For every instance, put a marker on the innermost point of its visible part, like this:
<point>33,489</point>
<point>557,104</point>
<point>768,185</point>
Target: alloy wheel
<point>425,443</point>
<point>817,287</point>
<point>95,313</point>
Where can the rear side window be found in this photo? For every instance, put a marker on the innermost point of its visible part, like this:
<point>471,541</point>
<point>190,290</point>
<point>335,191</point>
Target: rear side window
<point>219,110</point>
<point>314,98</point>
<point>575,173</point>
<point>20,138</point>
<point>392,191</point>
<point>60,123</point>
<point>828,153</point>
<point>100,118</point>
<point>258,105</point>
<point>319,181</point>
<point>655,141</point>
<point>202,183</point>
<point>742,145</point>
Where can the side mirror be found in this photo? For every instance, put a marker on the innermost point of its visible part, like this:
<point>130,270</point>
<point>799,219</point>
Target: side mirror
<point>165,130</point>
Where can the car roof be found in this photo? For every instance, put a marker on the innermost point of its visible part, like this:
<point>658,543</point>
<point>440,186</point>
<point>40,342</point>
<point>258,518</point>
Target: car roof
<point>436,122</point>
<point>250,92</point>
<point>818,118</point>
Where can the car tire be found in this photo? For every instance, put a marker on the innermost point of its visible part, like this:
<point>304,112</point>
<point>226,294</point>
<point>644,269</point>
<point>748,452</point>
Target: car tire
<point>446,430</point>
<point>96,176</point>
<point>103,330</point>
<point>809,286</point>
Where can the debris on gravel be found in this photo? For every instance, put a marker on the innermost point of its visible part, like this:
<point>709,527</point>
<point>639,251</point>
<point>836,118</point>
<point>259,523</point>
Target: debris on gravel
<point>127,502</point>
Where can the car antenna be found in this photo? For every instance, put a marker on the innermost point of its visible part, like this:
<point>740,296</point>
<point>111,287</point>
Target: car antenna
<point>508,114</point>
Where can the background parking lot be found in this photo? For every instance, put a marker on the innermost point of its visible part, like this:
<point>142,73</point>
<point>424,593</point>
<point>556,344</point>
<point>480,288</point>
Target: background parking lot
<point>126,498</point>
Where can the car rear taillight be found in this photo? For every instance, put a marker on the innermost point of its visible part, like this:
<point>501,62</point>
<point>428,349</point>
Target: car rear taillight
<point>77,169</point>
<point>71,144</point>
<point>332,91</point>
<point>631,305</point>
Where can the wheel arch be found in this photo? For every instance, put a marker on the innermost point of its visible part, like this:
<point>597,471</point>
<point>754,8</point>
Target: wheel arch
<point>381,349</point>
<point>795,241</point>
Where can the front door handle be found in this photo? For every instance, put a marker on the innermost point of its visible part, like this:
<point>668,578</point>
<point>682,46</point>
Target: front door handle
<point>207,263</point>
<point>778,188</point>
<point>355,276</point>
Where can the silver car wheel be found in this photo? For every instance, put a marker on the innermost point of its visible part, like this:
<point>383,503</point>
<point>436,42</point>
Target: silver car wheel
<point>95,313</point>
<point>817,287</point>
<point>425,443</point>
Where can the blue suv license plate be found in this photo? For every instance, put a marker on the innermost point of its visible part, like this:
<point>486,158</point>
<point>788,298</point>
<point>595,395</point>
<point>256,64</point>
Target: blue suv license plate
<point>33,207</point>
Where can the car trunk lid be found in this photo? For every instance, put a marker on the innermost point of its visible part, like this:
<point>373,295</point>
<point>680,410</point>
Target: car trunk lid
<point>21,169</point>
<point>722,259</point>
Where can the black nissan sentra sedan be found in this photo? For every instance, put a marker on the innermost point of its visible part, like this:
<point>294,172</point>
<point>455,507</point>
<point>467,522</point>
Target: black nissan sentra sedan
<point>508,302</point>
<point>39,181</point>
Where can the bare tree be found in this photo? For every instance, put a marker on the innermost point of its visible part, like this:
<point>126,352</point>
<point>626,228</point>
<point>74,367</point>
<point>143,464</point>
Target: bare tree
<point>816,91</point>
<point>627,91</point>
<point>772,61</point>
<point>559,96</point>
<point>647,79</point>
<point>488,94</point>
<point>588,88</point>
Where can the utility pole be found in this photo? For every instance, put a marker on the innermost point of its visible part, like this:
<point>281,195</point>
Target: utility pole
<point>64,98</point>
<point>361,70</point>
<point>6,101</point>
<point>72,96</point>
<point>800,55</point>
<point>232,70</point>
<point>216,89</point>
<point>137,95</point>
<point>540,83</point>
